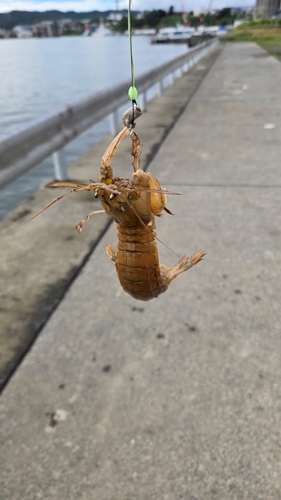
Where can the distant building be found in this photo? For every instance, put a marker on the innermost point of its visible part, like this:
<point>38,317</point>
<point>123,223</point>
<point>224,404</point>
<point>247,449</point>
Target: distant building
<point>266,8</point>
<point>23,31</point>
<point>45,29</point>
<point>114,16</point>
<point>201,10</point>
<point>64,22</point>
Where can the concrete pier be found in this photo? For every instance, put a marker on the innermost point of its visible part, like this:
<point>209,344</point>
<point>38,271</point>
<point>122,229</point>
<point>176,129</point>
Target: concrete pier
<point>47,256</point>
<point>178,398</point>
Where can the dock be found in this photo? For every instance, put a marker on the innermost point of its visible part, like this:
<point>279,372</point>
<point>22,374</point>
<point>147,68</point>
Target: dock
<point>104,397</point>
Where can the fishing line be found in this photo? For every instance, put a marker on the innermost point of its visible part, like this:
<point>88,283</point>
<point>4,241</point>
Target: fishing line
<point>132,92</point>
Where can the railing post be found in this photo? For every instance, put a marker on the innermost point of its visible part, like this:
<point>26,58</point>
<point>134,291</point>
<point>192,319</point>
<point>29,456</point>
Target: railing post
<point>143,101</point>
<point>160,88</point>
<point>60,166</point>
<point>171,78</point>
<point>113,122</point>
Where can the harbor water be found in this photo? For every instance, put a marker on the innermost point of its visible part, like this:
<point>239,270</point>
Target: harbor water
<point>40,76</point>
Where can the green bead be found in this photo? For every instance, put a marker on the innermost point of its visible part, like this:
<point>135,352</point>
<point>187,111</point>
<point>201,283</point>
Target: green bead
<point>133,93</point>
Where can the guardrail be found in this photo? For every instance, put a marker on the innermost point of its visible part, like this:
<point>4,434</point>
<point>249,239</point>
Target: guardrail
<point>48,135</point>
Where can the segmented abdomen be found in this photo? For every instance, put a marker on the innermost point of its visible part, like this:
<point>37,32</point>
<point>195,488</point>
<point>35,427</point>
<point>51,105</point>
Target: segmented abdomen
<point>137,263</point>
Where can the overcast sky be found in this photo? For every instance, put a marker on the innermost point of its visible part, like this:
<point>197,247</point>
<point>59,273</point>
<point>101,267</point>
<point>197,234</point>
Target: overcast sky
<point>87,5</point>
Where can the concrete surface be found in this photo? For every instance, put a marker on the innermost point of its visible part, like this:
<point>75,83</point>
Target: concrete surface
<point>47,254</point>
<point>178,398</point>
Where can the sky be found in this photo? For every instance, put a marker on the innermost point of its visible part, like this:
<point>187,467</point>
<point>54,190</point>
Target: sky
<point>88,5</point>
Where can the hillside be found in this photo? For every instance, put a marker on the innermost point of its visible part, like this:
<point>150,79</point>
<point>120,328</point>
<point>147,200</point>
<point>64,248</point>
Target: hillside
<point>18,17</point>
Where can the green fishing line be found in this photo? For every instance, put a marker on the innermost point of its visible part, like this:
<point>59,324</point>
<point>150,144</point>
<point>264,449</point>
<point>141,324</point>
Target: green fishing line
<point>132,92</point>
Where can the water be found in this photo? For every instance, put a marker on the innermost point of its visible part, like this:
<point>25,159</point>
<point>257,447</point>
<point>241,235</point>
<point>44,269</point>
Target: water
<point>39,76</point>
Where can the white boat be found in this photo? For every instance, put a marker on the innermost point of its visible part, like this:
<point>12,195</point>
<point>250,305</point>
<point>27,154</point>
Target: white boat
<point>178,34</point>
<point>87,31</point>
<point>102,30</point>
<point>143,32</point>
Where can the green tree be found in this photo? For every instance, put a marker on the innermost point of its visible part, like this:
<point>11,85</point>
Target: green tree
<point>138,23</point>
<point>226,12</point>
<point>193,20</point>
<point>123,24</point>
<point>153,18</point>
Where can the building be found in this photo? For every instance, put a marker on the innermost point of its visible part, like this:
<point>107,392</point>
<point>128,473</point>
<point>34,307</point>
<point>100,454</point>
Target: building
<point>23,31</point>
<point>266,8</point>
<point>45,29</point>
<point>114,16</point>
<point>201,10</point>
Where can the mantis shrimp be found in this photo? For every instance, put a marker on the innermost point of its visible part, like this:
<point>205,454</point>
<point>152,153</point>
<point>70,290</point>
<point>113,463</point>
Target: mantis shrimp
<point>133,204</point>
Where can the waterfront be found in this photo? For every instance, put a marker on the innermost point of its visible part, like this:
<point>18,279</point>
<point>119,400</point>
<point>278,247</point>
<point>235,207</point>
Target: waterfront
<point>39,76</point>
<point>179,397</point>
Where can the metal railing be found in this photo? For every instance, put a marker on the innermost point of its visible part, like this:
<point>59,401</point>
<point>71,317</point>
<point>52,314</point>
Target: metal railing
<point>46,136</point>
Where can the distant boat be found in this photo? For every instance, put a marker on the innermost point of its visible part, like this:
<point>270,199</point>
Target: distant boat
<point>143,32</point>
<point>178,34</point>
<point>102,30</point>
<point>87,31</point>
